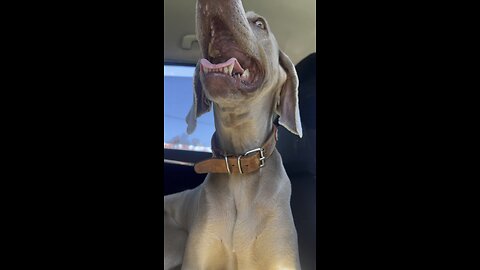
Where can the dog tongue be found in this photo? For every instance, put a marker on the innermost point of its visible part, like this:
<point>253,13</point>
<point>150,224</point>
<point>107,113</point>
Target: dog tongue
<point>237,68</point>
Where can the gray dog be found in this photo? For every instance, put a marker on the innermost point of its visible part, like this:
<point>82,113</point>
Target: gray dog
<point>240,216</point>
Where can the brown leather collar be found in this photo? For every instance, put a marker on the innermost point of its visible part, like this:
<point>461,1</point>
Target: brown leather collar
<point>249,162</point>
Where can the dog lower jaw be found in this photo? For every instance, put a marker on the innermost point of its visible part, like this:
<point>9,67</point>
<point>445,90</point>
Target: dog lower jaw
<point>229,75</point>
<point>221,84</point>
<point>229,90</point>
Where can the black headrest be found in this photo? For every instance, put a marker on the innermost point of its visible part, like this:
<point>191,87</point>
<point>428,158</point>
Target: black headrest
<point>307,72</point>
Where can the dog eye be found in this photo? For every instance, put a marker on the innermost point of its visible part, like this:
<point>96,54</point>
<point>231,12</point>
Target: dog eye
<point>260,24</point>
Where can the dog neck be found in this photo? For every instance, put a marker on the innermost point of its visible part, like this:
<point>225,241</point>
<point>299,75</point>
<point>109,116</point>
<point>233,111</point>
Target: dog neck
<point>242,128</point>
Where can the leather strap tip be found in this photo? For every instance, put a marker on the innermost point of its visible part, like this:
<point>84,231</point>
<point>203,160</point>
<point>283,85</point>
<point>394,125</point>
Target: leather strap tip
<point>198,170</point>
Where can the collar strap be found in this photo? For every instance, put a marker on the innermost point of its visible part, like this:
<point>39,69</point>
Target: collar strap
<point>249,162</point>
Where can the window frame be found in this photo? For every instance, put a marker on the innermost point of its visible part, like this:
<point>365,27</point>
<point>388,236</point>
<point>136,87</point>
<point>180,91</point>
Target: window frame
<point>180,154</point>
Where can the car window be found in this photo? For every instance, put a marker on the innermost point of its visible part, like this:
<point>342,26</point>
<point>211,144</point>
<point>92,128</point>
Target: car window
<point>178,98</point>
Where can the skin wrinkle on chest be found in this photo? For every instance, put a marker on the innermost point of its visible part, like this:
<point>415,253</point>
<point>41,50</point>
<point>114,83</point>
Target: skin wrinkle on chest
<point>239,208</point>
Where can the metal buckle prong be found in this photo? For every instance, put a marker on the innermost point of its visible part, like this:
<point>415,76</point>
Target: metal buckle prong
<point>262,158</point>
<point>226,164</point>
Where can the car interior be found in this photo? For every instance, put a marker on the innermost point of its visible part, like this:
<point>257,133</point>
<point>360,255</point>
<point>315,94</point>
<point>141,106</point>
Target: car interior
<point>293,24</point>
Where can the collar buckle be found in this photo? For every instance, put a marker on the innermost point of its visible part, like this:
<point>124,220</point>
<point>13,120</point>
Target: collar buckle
<point>262,158</point>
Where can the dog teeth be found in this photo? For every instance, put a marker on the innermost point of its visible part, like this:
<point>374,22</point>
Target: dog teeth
<point>246,74</point>
<point>227,70</point>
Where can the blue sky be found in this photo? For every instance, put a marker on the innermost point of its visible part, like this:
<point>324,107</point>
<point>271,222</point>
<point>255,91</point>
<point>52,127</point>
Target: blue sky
<point>178,98</point>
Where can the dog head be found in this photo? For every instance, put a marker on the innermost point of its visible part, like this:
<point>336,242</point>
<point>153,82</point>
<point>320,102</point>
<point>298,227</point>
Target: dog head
<point>242,64</point>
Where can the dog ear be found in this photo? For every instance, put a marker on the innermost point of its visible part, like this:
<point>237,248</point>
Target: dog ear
<point>287,107</point>
<point>201,104</point>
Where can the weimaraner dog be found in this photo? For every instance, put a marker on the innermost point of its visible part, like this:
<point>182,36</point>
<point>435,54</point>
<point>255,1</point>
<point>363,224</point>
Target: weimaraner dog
<point>240,216</point>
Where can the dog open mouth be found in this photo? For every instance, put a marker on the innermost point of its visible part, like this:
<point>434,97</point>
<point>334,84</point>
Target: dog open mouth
<point>226,64</point>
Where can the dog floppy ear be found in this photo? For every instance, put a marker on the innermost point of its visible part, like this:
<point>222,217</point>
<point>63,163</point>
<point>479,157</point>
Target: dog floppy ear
<point>287,107</point>
<point>200,105</point>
